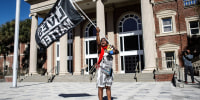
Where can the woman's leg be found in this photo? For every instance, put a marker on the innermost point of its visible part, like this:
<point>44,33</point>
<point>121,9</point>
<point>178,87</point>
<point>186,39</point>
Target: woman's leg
<point>100,93</point>
<point>108,92</point>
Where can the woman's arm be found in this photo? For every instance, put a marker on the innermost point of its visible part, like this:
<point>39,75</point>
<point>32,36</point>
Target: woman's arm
<point>98,39</point>
<point>115,50</point>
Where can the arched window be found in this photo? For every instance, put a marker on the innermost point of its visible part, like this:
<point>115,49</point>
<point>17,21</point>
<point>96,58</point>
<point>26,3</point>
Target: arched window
<point>130,22</point>
<point>131,43</point>
<point>90,45</point>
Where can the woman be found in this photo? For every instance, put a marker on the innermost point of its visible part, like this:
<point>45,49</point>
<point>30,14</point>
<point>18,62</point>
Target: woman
<point>104,65</point>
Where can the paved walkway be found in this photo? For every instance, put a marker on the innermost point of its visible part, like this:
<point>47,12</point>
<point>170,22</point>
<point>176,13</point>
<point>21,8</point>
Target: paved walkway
<point>88,91</point>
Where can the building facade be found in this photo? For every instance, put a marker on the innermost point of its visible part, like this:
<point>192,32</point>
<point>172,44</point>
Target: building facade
<point>149,34</point>
<point>6,62</point>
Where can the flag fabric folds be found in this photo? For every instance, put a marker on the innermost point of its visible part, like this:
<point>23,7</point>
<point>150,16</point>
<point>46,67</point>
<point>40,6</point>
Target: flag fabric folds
<point>62,18</point>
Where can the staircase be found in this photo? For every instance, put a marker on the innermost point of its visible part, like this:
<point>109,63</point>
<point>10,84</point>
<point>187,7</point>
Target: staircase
<point>145,77</point>
<point>124,77</point>
<point>130,77</point>
<point>34,78</point>
<point>72,78</point>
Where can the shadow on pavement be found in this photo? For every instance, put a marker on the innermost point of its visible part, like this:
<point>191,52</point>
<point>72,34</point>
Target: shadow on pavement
<point>74,95</point>
<point>31,85</point>
<point>106,98</point>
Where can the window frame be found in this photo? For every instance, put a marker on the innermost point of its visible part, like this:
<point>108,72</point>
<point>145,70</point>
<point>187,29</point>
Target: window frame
<point>194,28</point>
<point>166,14</point>
<point>123,34</point>
<point>170,60</point>
<point>188,20</point>
<point>168,47</point>
<point>69,58</point>
<point>70,48</point>
<point>87,39</point>
<point>163,26</point>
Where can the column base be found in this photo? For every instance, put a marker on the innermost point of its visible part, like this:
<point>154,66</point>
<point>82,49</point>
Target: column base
<point>77,73</point>
<point>33,73</point>
<point>64,73</point>
<point>115,72</point>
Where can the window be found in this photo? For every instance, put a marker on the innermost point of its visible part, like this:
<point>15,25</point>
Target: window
<point>69,53</point>
<point>170,59</point>
<point>57,49</point>
<point>169,56</point>
<point>192,24</point>
<point>194,27</point>
<point>190,2</point>
<point>57,57</point>
<point>90,45</point>
<point>167,25</point>
<point>130,22</point>
<point>131,43</point>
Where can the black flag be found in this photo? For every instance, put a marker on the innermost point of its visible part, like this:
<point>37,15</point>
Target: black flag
<point>60,20</point>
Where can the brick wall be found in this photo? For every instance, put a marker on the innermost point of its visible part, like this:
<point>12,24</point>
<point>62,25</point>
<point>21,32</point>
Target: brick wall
<point>8,78</point>
<point>163,77</point>
<point>181,13</point>
<point>9,58</point>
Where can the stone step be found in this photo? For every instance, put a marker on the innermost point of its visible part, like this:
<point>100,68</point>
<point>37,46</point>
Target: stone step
<point>2,80</point>
<point>34,78</point>
<point>72,78</point>
<point>130,77</point>
<point>145,77</point>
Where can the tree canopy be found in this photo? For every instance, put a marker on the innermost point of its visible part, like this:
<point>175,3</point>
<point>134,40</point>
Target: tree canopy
<point>7,32</point>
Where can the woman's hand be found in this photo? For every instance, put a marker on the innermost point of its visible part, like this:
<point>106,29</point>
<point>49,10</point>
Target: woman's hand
<point>98,30</point>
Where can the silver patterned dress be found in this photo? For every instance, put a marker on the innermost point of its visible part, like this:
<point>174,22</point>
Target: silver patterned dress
<point>105,64</point>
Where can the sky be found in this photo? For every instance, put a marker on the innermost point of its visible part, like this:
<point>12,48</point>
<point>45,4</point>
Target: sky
<point>8,9</point>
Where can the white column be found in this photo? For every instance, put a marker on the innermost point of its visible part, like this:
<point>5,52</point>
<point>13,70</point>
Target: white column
<point>77,51</point>
<point>50,69</point>
<point>33,45</point>
<point>100,13</point>
<point>148,35</point>
<point>63,55</point>
<point>111,35</point>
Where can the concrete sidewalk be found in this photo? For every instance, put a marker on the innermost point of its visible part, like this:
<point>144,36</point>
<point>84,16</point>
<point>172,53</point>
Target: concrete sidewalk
<point>88,91</point>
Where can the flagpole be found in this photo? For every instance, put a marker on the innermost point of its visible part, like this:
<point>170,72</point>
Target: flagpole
<point>15,63</point>
<point>84,13</point>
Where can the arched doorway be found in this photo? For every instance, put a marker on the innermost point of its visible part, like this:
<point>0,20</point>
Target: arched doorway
<point>90,45</point>
<point>131,43</point>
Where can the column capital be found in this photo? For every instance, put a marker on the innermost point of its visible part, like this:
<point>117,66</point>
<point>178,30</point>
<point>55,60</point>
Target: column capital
<point>33,14</point>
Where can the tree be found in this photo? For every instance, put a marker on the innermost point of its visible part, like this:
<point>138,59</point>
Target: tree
<point>7,39</point>
<point>24,37</point>
<point>7,36</point>
<point>25,31</point>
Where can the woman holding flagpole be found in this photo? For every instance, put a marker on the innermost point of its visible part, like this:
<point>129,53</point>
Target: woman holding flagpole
<point>104,65</point>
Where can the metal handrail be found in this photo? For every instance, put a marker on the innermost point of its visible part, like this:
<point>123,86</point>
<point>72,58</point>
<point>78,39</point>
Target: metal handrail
<point>178,72</point>
<point>52,76</point>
